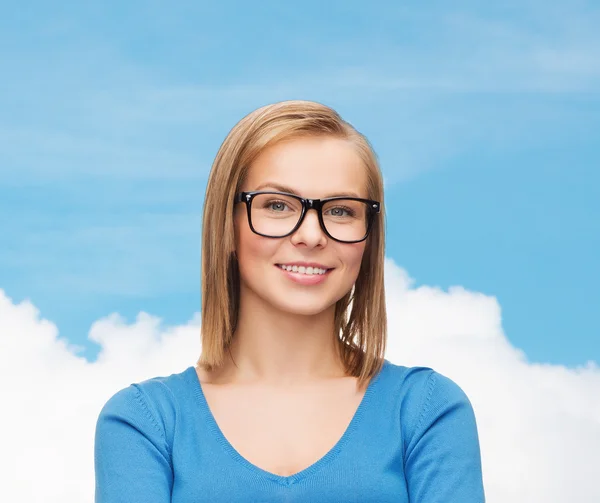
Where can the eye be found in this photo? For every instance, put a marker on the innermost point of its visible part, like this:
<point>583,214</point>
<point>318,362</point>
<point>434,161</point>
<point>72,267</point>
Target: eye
<point>341,211</point>
<point>276,206</point>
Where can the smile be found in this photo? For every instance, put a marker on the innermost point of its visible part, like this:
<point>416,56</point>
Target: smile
<point>305,275</point>
<point>300,269</point>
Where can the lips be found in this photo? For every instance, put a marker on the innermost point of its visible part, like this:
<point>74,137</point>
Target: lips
<point>305,265</point>
<point>304,275</point>
<point>300,269</point>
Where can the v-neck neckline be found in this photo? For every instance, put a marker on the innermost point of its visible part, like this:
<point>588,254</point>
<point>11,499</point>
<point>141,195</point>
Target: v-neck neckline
<point>285,480</point>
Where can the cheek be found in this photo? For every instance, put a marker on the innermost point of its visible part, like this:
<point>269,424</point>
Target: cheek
<point>351,256</point>
<point>252,250</point>
<point>354,256</point>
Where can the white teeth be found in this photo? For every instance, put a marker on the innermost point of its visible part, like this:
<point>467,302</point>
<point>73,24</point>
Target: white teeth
<point>303,270</point>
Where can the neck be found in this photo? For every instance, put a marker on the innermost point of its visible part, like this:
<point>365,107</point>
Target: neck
<point>280,348</point>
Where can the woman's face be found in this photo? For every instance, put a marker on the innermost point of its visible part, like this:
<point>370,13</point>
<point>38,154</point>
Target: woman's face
<point>315,168</point>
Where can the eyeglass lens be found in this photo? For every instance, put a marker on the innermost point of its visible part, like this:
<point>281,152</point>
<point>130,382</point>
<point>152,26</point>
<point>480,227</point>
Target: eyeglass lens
<point>276,215</point>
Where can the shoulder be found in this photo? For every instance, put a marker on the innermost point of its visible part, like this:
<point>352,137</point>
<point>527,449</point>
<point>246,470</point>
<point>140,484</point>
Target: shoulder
<point>134,438</point>
<point>438,436</point>
<point>153,402</point>
<point>418,385</point>
<point>423,394</point>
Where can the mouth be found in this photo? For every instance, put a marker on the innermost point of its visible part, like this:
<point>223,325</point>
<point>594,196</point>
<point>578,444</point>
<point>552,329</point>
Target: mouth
<point>310,270</point>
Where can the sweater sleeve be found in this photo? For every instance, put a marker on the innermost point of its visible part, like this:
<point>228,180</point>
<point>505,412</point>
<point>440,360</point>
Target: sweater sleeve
<point>443,459</point>
<point>131,454</point>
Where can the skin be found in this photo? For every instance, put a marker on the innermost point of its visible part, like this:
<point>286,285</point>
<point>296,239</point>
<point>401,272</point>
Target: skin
<point>284,400</point>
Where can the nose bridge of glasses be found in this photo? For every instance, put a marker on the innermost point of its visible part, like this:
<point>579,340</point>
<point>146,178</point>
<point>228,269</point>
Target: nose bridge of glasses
<point>311,204</point>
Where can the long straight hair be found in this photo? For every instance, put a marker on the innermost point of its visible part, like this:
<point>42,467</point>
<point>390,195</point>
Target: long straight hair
<point>360,316</point>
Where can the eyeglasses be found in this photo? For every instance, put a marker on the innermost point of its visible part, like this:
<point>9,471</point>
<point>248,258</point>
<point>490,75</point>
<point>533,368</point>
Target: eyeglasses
<point>279,214</point>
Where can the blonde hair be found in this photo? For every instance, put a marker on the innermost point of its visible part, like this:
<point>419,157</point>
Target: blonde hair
<point>360,316</point>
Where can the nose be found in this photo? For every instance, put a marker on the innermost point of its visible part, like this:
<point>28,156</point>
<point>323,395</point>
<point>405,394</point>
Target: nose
<point>310,232</point>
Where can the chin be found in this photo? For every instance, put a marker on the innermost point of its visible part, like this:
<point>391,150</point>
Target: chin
<point>303,305</point>
<point>308,309</point>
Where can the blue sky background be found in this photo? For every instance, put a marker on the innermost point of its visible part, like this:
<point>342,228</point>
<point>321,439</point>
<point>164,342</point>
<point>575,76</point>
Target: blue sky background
<point>486,119</point>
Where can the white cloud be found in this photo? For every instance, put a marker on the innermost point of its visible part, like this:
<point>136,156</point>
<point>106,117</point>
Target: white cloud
<point>539,424</point>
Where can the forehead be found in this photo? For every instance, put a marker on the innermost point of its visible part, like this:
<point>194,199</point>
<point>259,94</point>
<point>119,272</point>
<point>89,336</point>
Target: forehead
<point>315,167</point>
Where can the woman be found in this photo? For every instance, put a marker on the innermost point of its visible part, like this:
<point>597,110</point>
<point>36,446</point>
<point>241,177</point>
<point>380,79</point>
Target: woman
<point>292,398</point>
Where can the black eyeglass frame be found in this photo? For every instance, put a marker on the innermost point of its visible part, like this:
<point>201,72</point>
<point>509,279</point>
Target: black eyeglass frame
<point>374,207</point>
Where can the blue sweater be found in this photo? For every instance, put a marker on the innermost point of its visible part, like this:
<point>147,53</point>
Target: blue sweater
<point>412,439</point>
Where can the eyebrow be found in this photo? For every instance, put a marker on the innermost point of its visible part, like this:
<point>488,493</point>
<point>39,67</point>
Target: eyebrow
<point>285,188</point>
